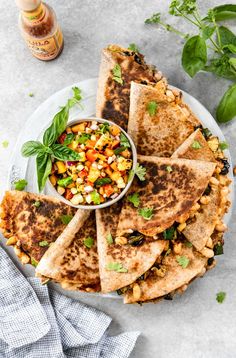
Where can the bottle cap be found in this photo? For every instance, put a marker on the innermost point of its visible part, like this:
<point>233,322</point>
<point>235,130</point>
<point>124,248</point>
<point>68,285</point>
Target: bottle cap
<point>28,5</point>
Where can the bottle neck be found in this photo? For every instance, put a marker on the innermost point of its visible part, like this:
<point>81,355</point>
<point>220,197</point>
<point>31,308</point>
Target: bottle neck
<point>36,15</point>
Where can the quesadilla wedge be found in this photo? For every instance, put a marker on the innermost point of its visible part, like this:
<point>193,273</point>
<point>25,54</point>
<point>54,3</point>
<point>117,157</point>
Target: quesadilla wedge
<point>122,261</point>
<point>174,272</point>
<point>159,121</point>
<point>72,259</point>
<point>170,189</point>
<point>119,66</point>
<point>32,222</point>
<point>212,205</point>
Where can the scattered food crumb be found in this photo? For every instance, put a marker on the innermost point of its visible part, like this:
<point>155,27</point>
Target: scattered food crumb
<point>31,94</point>
<point>234,170</point>
<point>5,143</point>
<point>220,297</point>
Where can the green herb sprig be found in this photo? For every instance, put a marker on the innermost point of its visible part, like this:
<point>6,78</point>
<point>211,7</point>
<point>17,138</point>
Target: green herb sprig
<point>49,149</point>
<point>211,49</point>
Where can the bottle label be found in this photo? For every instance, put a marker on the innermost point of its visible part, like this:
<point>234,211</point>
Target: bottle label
<point>47,48</point>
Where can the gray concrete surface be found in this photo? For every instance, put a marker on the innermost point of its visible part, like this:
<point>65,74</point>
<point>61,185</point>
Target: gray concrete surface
<point>193,325</point>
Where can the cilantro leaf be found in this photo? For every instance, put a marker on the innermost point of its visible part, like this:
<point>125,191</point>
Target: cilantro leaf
<point>65,219</point>
<point>117,74</point>
<point>220,297</point>
<point>37,204</point>
<point>223,145</point>
<point>5,143</point>
<point>152,107</point>
<point>95,197</point>
<point>134,199</point>
<point>109,239</point>
<point>43,243</point>
<point>124,141</point>
<point>182,261</point>
<point>146,213</point>
<point>116,266</point>
<point>196,145</point>
<point>88,242</point>
<point>20,184</point>
<point>34,262</point>
<point>140,171</point>
<point>170,234</point>
<point>133,47</point>
<point>169,169</point>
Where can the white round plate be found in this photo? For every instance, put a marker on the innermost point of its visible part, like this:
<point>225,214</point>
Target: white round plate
<point>24,168</point>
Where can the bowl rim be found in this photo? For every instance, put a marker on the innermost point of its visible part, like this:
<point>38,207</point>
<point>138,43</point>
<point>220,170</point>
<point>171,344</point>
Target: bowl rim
<point>52,189</point>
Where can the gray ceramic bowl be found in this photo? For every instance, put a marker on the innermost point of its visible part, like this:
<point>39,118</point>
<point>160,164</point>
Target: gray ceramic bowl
<point>54,192</point>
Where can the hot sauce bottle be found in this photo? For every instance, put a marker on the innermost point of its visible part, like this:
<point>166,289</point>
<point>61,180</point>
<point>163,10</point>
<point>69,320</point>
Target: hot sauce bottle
<point>40,30</point>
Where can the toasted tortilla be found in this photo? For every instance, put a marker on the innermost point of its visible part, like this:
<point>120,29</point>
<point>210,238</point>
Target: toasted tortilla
<point>68,260</point>
<point>29,224</point>
<point>161,133</point>
<point>169,194</point>
<point>176,276</point>
<point>113,98</point>
<point>187,151</point>
<point>136,259</point>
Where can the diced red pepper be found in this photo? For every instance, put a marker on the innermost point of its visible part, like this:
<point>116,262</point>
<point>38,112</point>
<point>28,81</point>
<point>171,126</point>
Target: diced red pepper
<point>62,138</point>
<point>68,194</point>
<point>108,189</point>
<point>91,155</point>
<point>83,173</point>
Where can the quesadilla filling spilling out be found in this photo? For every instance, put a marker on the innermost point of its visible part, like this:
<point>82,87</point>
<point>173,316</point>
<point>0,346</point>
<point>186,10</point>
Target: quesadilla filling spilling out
<point>168,228</point>
<point>104,162</point>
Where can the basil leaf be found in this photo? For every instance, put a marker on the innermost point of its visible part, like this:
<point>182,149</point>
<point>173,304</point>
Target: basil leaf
<point>226,109</point>
<point>57,127</point>
<point>44,166</point>
<point>154,19</point>
<point>83,138</point>
<point>65,182</point>
<point>194,55</point>
<point>224,12</point>
<point>227,37</point>
<point>32,148</point>
<point>62,152</point>
<point>221,67</point>
<point>102,181</point>
<point>69,138</point>
<point>207,32</point>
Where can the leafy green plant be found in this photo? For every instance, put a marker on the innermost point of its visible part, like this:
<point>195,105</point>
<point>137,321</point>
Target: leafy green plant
<point>212,49</point>
<point>49,149</point>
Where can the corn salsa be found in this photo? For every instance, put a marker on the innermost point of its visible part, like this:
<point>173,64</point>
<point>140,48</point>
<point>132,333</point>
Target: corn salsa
<point>102,170</point>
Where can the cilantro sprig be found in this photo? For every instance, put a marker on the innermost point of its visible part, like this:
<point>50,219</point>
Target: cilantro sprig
<point>117,75</point>
<point>211,49</point>
<point>183,261</point>
<point>220,297</point>
<point>146,213</point>
<point>152,107</point>
<point>116,266</point>
<point>134,199</point>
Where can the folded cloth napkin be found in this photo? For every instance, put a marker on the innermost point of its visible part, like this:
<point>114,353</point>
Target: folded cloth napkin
<point>36,321</point>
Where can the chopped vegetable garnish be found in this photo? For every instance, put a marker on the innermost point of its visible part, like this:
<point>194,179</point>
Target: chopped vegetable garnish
<point>131,175</point>
<point>37,204</point>
<point>31,94</point>
<point>89,242</point>
<point>169,169</point>
<point>99,168</point>
<point>134,199</point>
<point>206,132</point>
<point>5,143</point>
<point>116,266</point>
<point>223,145</point>
<point>133,47</point>
<point>34,262</point>
<point>188,244</point>
<point>196,145</point>
<point>65,219</point>
<point>146,213</point>
<point>218,249</point>
<point>109,239</point>
<point>20,184</point>
<point>117,74</point>
<point>170,234</point>
<point>220,297</point>
<point>140,171</point>
<point>182,261</point>
<point>43,243</point>
<point>152,108</point>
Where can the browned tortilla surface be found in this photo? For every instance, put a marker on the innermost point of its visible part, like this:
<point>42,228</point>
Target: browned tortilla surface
<point>169,194</point>
<point>31,224</point>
